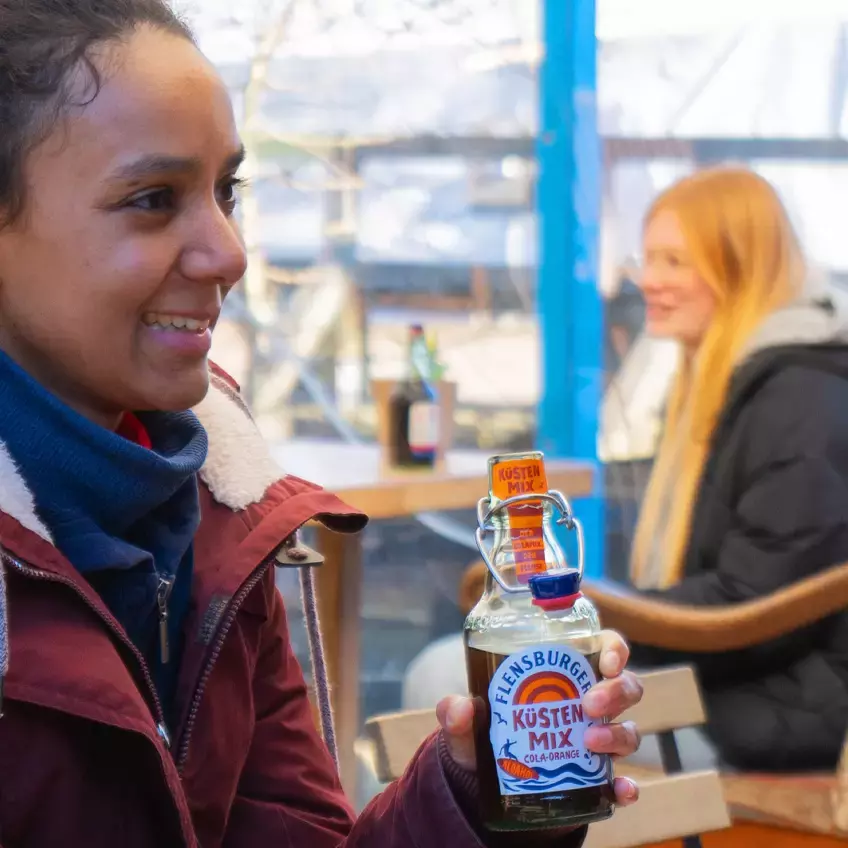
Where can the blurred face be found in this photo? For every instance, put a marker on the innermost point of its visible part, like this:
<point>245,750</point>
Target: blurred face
<point>679,303</point>
<point>112,280</point>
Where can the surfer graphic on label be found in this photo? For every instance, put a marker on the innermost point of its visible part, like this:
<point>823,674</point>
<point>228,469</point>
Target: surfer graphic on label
<point>506,752</point>
<point>540,725</point>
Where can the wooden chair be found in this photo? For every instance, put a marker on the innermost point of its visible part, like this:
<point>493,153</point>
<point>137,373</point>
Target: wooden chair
<point>671,805</point>
<point>769,811</point>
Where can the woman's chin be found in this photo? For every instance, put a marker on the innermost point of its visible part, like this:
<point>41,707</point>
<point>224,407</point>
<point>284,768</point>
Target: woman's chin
<point>178,391</point>
<point>660,330</point>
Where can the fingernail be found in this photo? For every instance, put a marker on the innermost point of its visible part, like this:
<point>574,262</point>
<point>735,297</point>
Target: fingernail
<point>629,788</point>
<point>613,661</point>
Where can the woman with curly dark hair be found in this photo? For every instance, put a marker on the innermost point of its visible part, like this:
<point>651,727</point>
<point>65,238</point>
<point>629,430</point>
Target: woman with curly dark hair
<point>151,693</point>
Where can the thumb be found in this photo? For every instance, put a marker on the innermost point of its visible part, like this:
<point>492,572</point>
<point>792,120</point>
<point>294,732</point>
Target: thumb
<point>456,716</point>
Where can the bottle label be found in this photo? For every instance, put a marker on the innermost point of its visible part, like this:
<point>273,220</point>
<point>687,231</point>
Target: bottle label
<point>524,476</point>
<point>538,724</point>
<point>423,427</point>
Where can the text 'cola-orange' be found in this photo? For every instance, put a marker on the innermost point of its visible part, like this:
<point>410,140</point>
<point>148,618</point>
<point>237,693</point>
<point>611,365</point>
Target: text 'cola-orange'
<point>532,647</point>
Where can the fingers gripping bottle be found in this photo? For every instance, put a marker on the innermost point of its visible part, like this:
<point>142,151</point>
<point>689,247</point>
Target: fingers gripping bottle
<point>532,648</point>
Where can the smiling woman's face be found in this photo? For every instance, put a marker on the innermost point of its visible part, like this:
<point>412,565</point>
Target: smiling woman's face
<point>114,276</point>
<point>680,304</point>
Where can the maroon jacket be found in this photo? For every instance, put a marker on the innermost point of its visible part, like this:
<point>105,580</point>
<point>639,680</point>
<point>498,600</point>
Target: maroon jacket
<point>83,761</point>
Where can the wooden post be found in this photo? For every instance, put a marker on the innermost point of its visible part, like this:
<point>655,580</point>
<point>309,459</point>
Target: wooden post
<point>338,588</point>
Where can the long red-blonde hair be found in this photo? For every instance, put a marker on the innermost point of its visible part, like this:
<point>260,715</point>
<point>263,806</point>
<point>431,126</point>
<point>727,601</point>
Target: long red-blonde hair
<point>742,244</point>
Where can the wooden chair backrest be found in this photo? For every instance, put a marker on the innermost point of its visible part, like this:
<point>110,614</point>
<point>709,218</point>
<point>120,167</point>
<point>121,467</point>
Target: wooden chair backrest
<point>649,621</point>
<point>670,806</point>
<point>810,805</point>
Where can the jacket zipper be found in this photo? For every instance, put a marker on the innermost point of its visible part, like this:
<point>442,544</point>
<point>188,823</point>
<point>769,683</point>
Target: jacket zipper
<point>221,635</point>
<point>37,574</point>
<point>163,594</point>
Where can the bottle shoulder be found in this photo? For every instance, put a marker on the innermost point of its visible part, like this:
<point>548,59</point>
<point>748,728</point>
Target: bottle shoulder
<point>501,624</point>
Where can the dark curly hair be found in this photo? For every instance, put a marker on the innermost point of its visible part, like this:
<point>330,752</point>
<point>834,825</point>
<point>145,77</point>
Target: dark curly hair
<point>41,43</point>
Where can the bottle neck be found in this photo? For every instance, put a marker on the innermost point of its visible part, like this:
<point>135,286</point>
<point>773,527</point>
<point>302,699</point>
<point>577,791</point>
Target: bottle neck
<point>525,543</point>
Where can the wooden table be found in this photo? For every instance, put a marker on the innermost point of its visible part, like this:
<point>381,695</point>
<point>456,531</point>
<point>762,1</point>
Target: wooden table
<point>353,472</point>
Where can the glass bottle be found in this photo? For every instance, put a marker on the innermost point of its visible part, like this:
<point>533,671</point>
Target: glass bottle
<point>414,409</point>
<point>532,650</point>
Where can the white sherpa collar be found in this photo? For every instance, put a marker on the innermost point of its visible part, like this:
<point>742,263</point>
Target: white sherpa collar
<point>238,470</point>
<point>15,497</point>
<point>239,467</point>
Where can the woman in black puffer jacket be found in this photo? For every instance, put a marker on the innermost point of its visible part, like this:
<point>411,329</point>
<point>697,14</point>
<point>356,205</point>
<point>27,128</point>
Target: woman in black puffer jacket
<point>749,491</point>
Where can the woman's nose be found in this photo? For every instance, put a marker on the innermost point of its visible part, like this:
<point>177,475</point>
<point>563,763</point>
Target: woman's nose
<point>650,279</point>
<point>217,253</point>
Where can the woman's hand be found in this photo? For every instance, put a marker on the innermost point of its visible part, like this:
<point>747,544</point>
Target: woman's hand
<point>619,691</point>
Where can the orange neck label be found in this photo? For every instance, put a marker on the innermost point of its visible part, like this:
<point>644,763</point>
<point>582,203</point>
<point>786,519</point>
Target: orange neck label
<point>524,476</point>
<point>519,477</point>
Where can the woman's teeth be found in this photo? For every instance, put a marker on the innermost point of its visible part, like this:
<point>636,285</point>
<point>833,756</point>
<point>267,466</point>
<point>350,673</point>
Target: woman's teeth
<point>161,321</point>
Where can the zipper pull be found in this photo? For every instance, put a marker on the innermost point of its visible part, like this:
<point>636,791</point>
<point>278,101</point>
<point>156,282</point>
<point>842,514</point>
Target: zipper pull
<point>162,595</point>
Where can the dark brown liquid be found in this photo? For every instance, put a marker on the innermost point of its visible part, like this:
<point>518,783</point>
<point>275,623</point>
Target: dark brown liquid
<point>557,808</point>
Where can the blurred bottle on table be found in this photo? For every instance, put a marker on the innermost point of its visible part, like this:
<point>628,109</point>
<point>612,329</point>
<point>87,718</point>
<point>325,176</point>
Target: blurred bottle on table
<point>414,407</point>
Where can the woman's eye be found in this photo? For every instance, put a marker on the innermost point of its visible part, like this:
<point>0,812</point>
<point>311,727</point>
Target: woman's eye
<point>165,200</point>
<point>228,194</point>
<point>156,200</point>
<point>676,261</point>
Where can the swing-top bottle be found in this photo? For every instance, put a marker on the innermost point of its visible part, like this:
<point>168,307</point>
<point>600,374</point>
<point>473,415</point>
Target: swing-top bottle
<point>532,649</point>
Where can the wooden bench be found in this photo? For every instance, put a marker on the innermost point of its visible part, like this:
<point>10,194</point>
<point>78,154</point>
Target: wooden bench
<point>671,805</point>
<point>769,810</point>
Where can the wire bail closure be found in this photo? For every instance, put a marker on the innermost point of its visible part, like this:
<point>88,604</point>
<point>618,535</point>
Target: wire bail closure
<point>486,512</point>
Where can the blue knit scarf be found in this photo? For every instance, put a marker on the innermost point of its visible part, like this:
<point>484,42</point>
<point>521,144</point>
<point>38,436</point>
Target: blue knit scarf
<point>124,515</point>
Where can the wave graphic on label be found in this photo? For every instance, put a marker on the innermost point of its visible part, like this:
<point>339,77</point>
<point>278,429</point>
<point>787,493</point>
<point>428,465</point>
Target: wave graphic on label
<point>569,776</point>
<point>538,724</point>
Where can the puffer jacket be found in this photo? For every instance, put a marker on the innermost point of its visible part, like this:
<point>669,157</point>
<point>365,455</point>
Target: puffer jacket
<point>772,509</point>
